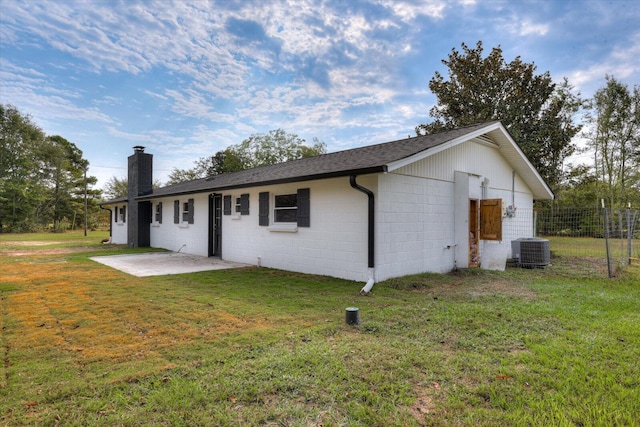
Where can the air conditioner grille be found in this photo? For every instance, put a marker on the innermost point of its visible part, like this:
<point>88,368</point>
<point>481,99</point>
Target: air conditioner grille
<point>533,252</point>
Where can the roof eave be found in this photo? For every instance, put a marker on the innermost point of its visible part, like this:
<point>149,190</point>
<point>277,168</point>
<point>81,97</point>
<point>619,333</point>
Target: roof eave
<point>540,189</point>
<point>305,178</point>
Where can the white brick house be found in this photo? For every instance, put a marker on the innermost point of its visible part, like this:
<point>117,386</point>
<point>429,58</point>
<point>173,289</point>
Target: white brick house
<point>423,204</point>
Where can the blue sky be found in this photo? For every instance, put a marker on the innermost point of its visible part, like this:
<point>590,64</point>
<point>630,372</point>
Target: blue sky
<point>188,78</point>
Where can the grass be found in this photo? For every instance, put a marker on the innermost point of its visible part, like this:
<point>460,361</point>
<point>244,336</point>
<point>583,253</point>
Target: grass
<point>87,345</point>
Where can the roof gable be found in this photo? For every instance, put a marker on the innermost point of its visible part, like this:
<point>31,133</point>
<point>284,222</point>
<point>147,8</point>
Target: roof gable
<point>493,134</point>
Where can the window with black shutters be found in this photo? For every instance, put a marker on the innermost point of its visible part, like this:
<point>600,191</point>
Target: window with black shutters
<point>289,208</point>
<point>285,208</point>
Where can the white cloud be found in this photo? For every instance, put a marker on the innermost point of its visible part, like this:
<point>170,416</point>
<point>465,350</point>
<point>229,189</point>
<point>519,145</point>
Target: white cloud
<point>622,63</point>
<point>42,99</point>
<point>528,28</point>
<point>408,11</point>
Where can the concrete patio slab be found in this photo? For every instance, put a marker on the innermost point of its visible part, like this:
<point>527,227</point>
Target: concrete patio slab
<point>163,263</point>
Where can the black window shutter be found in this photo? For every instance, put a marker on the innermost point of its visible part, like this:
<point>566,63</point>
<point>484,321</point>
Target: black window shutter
<point>244,204</point>
<point>190,215</point>
<point>115,214</point>
<point>304,217</point>
<point>227,205</point>
<point>124,214</point>
<point>176,211</point>
<point>160,212</point>
<point>263,209</point>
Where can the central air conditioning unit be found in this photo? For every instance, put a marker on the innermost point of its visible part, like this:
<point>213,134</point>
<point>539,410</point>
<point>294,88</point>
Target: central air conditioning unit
<point>531,252</point>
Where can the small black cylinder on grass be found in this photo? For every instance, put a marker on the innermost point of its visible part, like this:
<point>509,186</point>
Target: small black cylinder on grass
<point>352,316</point>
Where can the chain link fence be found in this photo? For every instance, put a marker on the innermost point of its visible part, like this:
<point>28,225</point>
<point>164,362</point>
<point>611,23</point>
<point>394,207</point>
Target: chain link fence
<point>604,241</point>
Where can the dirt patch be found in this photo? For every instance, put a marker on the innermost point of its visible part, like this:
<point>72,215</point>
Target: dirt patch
<point>56,251</point>
<point>30,243</point>
<point>424,406</point>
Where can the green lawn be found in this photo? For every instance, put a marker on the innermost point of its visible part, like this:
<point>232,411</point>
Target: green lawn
<point>83,344</point>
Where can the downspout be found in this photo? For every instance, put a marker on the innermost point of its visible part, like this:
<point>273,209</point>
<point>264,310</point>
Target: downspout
<point>110,221</point>
<point>371,233</point>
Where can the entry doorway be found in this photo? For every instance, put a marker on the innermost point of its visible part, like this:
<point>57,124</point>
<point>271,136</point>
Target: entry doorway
<point>474,247</point>
<point>215,225</point>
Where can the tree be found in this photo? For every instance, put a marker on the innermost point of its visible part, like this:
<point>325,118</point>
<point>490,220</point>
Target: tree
<point>538,114</point>
<point>115,188</point>
<point>579,188</point>
<point>62,169</point>
<point>41,177</point>
<point>277,146</point>
<point>614,137</point>
<point>19,186</point>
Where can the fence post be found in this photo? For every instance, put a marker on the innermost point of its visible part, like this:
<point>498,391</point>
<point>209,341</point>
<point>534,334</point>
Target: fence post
<point>606,237</point>
<point>629,234</point>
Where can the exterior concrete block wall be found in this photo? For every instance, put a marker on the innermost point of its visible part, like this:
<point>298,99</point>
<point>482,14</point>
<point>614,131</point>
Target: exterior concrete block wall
<point>119,227</point>
<point>480,162</point>
<point>415,220</point>
<point>183,237</point>
<point>335,244</point>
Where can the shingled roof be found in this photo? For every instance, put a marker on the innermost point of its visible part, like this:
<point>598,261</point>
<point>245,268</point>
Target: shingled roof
<point>364,160</point>
<point>357,161</point>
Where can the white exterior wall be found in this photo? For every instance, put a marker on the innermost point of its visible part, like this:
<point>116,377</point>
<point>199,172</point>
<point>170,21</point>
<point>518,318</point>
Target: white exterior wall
<point>415,223</point>
<point>118,227</point>
<point>439,221</point>
<point>335,244</point>
<point>183,237</point>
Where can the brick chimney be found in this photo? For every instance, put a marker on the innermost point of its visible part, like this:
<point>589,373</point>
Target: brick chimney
<point>140,183</point>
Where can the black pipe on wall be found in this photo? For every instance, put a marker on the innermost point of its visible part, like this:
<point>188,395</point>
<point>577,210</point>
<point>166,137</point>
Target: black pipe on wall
<point>371,225</point>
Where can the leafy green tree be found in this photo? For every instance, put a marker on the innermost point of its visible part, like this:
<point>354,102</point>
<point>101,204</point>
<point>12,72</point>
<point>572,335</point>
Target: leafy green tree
<point>277,146</point>
<point>538,114</point>
<point>614,137</point>
<point>115,188</point>
<point>62,169</point>
<point>19,186</point>
<point>41,177</point>
<point>579,188</point>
